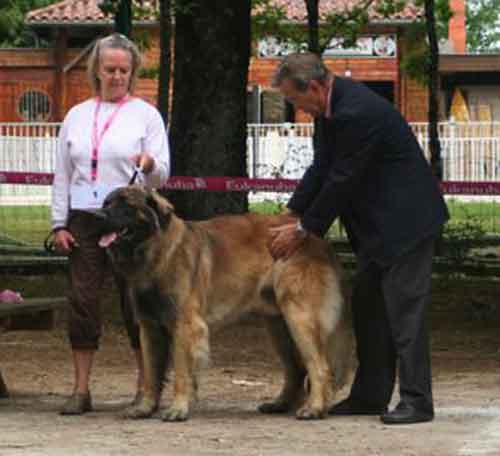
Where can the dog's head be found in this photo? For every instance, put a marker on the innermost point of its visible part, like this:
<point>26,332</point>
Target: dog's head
<point>131,216</point>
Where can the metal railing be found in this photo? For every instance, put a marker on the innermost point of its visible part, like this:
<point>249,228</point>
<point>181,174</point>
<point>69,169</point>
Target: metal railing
<point>27,147</point>
<point>470,152</point>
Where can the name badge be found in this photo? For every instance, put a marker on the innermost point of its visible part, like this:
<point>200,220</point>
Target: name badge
<point>85,196</point>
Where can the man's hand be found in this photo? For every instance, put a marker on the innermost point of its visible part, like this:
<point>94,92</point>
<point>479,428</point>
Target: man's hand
<point>285,241</point>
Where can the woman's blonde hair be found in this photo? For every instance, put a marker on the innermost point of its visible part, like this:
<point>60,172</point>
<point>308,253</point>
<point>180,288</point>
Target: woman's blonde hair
<point>113,41</point>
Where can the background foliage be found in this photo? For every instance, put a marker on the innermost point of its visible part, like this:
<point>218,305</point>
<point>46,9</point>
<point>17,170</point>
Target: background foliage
<point>13,31</point>
<point>483,25</point>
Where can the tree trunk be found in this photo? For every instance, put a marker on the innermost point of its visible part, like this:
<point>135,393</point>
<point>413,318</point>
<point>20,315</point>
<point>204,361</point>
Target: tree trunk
<point>434,144</point>
<point>208,128</point>
<point>123,18</point>
<point>165,20</point>
<point>312,7</point>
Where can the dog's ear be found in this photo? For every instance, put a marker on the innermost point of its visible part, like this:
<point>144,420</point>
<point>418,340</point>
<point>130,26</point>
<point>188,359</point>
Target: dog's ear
<point>162,206</point>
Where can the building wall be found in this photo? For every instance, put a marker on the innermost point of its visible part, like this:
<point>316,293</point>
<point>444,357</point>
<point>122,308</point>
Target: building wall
<point>414,100</point>
<point>363,69</point>
<point>24,70</point>
<point>409,96</point>
<point>35,69</point>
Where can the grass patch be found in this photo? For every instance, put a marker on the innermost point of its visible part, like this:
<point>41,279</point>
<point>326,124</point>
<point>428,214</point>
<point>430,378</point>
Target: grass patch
<point>267,207</point>
<point>487,213</point>
<point>272,207</point>
<point>24,224</point>
<point>30,224</point>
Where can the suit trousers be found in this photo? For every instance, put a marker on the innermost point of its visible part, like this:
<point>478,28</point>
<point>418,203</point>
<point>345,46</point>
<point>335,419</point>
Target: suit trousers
<point>389,305</point>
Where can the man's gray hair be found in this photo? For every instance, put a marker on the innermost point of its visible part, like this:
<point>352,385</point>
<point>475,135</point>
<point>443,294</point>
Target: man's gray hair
<point>113,41</point>
<point>301,68</point>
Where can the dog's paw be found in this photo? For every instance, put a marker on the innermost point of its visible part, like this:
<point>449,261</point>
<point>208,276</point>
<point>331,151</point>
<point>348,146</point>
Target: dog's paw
<point>310,413</point>
<point>175,413</point>
<point>274,407</point>
<point>142,410</point>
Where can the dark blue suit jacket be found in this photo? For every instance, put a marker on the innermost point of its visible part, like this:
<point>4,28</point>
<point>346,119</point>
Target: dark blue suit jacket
<point>370,171</point>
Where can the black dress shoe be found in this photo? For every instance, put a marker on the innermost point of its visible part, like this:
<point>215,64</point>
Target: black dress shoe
<point>406,413</point>
<point>352,407</point>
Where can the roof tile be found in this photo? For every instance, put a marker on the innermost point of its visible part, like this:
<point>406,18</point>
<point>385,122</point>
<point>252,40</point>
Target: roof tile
<point>296,9</point>
<point>87,11</point>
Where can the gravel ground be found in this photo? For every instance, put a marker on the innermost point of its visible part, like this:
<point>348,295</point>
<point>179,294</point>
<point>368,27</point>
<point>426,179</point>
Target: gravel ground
<point>244,372</point>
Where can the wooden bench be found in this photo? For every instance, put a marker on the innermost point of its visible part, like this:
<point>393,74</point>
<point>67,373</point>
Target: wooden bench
<point>30,314</point>
<point>28,264</point>
<point>31,306</point>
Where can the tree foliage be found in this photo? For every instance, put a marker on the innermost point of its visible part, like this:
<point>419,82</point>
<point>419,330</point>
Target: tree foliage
<point>13,31</point>
<point>417,60</point>
<point>137,9</point>
<point>483,25</point>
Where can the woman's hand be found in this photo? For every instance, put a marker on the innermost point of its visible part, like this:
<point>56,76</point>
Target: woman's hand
<point>64,241</point>
<point>145,161</point>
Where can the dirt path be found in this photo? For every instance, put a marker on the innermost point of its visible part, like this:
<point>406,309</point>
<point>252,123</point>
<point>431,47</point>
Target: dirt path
<point>36,366</point>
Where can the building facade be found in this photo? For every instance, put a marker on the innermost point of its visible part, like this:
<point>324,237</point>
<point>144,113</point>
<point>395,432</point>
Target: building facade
<point>43,84</point>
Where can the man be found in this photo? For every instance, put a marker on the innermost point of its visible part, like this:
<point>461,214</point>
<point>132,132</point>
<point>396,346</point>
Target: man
<point>369,171</point>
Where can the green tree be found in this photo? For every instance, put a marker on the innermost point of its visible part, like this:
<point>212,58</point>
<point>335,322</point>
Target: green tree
<point>13,31</point>
<point>122,12</point>
<point>483,25</point>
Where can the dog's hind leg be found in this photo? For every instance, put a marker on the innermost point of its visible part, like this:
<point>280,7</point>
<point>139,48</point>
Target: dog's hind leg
<point>308,296</point>
<point>293,389</point>
<point>305,303</point>
<point>341,349</point>
<point>314,352</point>
<point>155,353</point>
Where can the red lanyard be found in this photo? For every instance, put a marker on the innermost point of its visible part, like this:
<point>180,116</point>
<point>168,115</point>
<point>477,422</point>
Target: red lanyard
<point>97,137</point>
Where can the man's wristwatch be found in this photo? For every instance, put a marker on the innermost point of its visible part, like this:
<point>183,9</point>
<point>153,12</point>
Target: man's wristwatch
<point>301,230</point>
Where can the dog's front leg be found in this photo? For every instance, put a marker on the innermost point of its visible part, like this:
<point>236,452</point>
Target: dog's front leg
<point>154,357</point>
<point>183,369</point>
<point>191,352</point>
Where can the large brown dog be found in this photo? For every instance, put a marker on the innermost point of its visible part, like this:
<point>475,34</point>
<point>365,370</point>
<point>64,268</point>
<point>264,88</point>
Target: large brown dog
<point>188,276</point>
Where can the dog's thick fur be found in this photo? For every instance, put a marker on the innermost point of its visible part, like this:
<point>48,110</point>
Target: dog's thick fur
<point>189,276</point>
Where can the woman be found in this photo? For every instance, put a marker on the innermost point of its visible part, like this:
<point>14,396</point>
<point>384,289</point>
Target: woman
<point>101,142</point>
